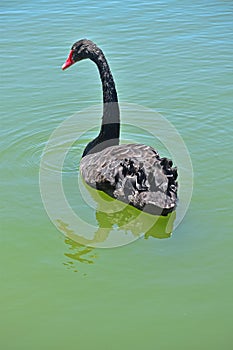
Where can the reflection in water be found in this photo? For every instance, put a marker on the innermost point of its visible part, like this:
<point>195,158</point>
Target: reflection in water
<point>138,223</point>
<point>113,218</point>
<point>162,228</point>
<point>129,220</point>
<point>78,253</point>
<point>113,214</point>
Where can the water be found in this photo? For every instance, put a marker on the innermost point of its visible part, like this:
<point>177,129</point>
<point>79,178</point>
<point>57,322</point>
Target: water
<point>173,57</point>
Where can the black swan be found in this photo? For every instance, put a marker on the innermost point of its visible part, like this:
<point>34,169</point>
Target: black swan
<point>132,173</point>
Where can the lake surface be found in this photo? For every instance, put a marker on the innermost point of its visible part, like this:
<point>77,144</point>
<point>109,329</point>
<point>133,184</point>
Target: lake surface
<point>171,287</point>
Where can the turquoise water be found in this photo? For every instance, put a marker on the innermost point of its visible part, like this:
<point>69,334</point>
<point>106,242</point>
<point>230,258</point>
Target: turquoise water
<point>176,59</point>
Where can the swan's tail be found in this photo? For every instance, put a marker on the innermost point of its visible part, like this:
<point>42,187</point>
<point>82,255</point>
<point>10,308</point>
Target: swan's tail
<point>153,190</point>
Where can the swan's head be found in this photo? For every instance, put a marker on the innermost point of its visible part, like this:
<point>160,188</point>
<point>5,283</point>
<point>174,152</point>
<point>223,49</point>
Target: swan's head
<point>80,50</point>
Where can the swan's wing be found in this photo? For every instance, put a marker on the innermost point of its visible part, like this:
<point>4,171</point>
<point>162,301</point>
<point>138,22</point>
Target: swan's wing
<point>103,166</point>
<point>133,173</point>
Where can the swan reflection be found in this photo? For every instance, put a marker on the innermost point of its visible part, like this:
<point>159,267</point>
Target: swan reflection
<point>117,224</point>
<point>78,252</point>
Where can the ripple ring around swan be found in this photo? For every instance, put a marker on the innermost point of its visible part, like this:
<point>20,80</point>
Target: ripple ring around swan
<point>82,230</point>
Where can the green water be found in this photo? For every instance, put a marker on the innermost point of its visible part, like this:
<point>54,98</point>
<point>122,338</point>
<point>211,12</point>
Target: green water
<point>176,59</point>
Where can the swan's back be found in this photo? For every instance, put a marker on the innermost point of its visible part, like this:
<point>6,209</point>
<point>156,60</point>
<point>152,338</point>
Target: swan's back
<point>135,174</point>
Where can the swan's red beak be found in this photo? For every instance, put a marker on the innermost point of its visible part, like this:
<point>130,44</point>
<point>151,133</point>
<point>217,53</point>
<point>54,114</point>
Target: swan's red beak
<point>69,61</point>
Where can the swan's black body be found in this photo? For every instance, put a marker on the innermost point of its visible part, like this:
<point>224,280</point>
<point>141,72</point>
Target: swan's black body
<point>132,173</point>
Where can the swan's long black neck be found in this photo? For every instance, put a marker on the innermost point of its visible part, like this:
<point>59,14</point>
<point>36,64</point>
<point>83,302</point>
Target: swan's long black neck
<point>110,127</point>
